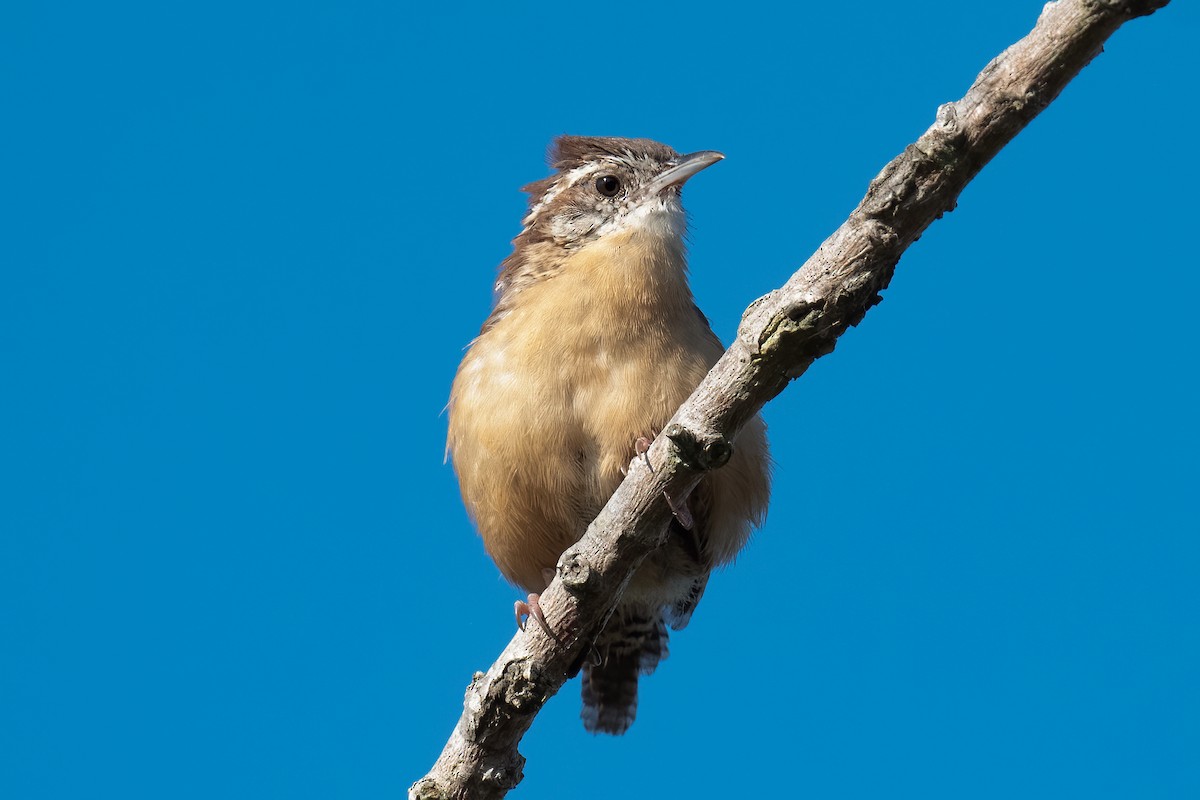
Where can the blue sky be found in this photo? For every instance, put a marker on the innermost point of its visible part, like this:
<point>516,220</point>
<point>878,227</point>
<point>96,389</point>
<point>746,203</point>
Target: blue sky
<point>243,246</point>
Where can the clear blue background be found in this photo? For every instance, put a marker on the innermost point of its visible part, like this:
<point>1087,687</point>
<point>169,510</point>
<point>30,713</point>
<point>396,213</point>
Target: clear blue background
<point>244,244</point>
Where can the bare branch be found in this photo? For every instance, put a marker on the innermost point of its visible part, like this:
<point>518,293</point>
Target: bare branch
<point>781,334</point>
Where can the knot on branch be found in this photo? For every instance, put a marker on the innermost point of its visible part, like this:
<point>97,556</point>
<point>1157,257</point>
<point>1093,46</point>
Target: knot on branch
<point>805,315</point>
<point>799,336</point>
<point>516,692</point>
<point>574,571</point>
<point>520,683</point>
<point>697,455</point>
<point>947,118</point>
<point>751,320</point>
<point>502,778</point>
<point>923,182</point>
<point>426,789</point>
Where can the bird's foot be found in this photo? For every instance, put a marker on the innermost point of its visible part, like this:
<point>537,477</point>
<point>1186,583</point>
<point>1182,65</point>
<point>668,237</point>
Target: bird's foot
<point>683,514</point>
<point>641,446</point>
<point>532,607</point>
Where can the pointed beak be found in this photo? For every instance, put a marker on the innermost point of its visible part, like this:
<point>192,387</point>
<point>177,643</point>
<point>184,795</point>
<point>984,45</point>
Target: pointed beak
<point>681,170</point>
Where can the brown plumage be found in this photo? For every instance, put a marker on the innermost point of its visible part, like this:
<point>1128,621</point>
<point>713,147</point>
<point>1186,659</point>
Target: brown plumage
<point>595,341</point>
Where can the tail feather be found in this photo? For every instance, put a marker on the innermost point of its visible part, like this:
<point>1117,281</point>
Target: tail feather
<point>632,644</point>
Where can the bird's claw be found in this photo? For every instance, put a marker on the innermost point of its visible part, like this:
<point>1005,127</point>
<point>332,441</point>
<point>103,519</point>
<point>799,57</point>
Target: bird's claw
<point>532,608</point>
<point>682,514</point>
<point>642,447</point>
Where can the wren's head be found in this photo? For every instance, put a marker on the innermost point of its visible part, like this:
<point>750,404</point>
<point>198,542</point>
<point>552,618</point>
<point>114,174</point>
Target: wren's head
<point>603,186</point>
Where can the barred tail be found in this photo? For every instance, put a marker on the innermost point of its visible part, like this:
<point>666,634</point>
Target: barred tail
<point>631,644</point>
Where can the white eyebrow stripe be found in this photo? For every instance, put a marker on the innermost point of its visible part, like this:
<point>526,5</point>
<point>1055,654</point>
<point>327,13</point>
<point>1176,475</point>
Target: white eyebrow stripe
<point>561,185</point>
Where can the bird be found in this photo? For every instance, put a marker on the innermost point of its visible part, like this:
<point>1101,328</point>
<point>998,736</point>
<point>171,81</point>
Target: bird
<point>593,342</point>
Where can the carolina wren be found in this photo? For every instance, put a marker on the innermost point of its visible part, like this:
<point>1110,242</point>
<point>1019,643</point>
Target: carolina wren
<point>593,344</point>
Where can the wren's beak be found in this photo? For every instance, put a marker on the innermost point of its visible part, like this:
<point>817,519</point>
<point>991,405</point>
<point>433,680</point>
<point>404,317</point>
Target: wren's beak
<point>684,168</point>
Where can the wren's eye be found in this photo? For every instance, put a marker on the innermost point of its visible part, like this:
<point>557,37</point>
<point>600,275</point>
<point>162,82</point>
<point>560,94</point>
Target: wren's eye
<point>608,185</point>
